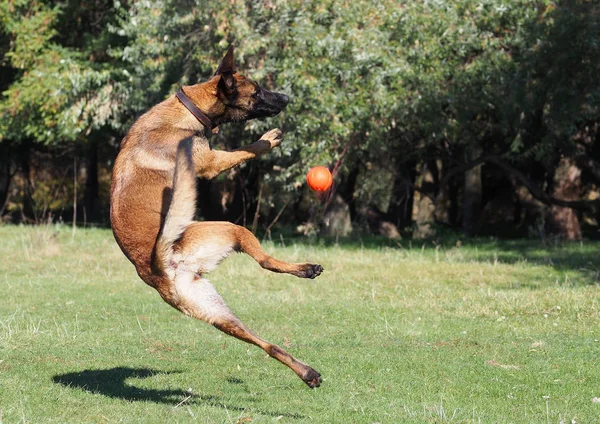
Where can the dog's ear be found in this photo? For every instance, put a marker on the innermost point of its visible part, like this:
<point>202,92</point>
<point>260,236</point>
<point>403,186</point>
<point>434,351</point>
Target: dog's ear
<point>227,64</point>
<point>226,70</point>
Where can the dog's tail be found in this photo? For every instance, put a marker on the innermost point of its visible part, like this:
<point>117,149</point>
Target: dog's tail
<point>181,209</point>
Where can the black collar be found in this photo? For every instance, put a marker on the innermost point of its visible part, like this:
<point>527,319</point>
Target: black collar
<point>194,110</point>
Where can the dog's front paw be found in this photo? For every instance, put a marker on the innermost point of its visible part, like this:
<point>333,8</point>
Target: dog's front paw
<point>272,138</point>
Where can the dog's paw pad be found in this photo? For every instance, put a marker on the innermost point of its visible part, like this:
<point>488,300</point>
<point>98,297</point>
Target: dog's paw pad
<point>273,137</point>
<point>312,379</point>
<point>312,271</point>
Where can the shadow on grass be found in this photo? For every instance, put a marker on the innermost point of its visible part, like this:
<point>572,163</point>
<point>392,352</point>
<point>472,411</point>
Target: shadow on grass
<point>112,383</point>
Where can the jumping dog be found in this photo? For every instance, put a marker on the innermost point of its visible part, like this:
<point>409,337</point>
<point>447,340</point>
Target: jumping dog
<point>153,199</point>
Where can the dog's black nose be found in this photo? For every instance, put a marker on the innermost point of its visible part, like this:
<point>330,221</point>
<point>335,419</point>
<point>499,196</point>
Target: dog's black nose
<point>285,99</point>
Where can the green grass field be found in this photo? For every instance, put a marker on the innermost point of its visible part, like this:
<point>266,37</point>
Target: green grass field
<point>484,331</point>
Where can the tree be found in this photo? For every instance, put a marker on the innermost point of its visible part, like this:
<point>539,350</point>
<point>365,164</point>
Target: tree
<point>58,88</point>
<point>446,104</point>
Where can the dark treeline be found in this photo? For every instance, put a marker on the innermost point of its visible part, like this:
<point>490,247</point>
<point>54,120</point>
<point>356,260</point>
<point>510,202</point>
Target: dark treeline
<point>479,117</point>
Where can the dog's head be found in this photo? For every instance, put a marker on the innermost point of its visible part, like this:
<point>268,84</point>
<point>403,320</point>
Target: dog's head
<point>242,98</point>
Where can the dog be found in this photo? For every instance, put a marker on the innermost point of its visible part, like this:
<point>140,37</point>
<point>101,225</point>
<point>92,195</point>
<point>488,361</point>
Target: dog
<point>153,199</point>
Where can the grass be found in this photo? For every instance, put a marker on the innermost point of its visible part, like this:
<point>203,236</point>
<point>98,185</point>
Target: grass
<point>484,331</point>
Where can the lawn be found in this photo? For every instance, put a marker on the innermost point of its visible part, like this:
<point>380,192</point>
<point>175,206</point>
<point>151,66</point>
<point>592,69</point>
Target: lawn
<point>465,331</point>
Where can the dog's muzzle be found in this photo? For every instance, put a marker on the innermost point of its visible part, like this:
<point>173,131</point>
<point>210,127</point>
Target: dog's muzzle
<point>270,103</point>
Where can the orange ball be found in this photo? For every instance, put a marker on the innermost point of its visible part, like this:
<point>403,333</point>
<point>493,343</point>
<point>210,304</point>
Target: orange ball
<point>319,178</point>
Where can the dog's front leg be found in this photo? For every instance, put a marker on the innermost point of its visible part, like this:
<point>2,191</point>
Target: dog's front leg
<point>211,163</point>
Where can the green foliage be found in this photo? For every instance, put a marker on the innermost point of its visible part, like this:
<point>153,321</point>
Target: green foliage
<point>424,71</point>
<point>57,95</point>
<point>386,82</point>
<point>324,54</point>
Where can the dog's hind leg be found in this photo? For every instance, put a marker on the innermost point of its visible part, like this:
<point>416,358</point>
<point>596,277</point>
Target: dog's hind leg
<point>235,328</point>
<point>199,250</point>
<point>208,236</point>
<point>196,297</point>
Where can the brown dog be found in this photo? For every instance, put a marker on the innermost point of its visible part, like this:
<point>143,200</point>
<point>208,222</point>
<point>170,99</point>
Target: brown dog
<point>153,200</point>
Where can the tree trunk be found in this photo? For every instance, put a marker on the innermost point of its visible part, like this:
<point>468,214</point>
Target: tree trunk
<point>401,204</point>
<point>567,186</point>
<point>5,175</point>
<point>28,211</point>
<point>203,189</point>
<point>231,204</point>
<point>347,189</point>
<point>91,201</point>
<point>472,195</point>
<point>336,221</point>
<point>444,197</point>
<point>424,205</point>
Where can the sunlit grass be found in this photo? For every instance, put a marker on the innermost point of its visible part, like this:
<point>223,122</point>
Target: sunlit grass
<point>475,331</point>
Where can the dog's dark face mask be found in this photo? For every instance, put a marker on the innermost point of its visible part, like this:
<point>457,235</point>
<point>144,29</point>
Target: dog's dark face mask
<point>242,97</point>
<point>268,103</point>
